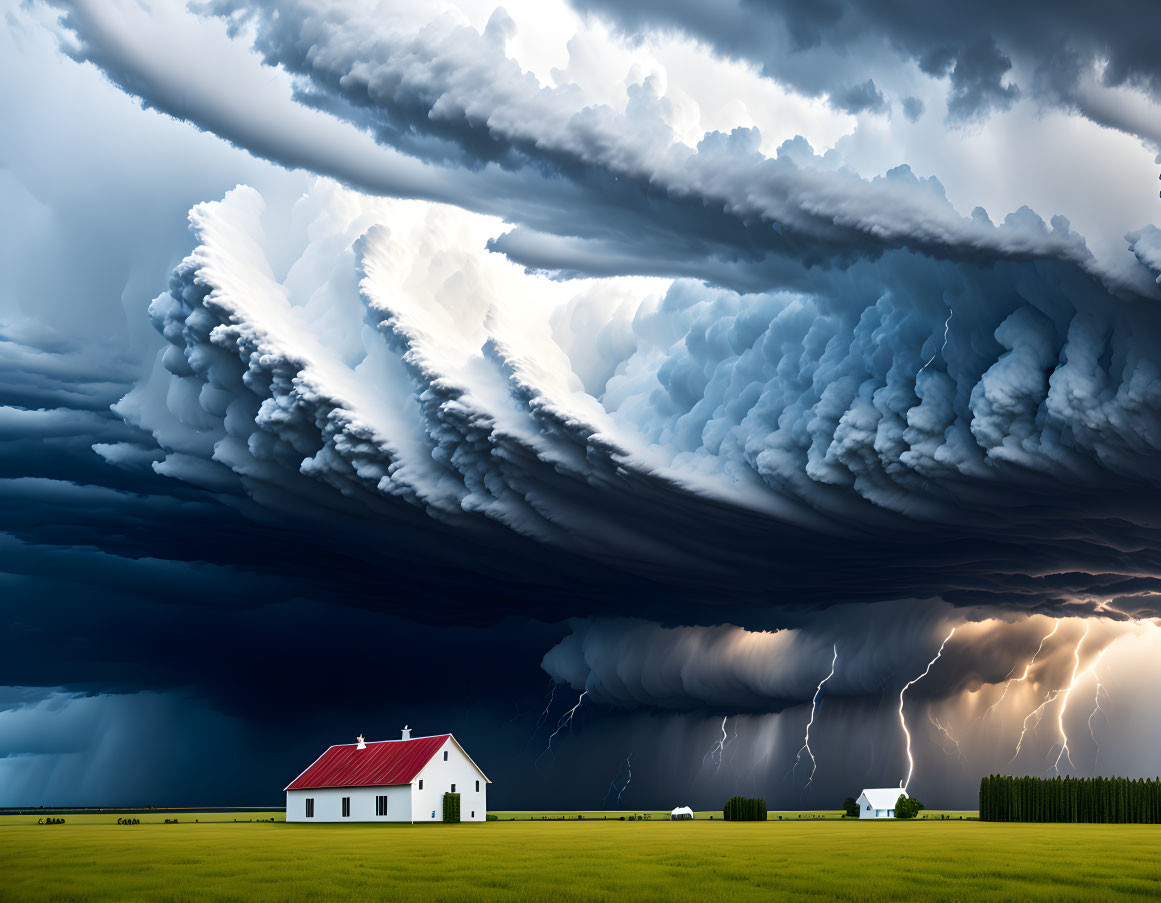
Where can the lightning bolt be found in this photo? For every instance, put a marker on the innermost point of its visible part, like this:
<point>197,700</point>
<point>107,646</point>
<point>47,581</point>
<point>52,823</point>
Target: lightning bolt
<point>628,778</point>
<point>1038,711</point>
<point>813,708</point>
<point>946,326</point>
<point>1027,669</point>
<point>1096,707</point>
<point>548,705</point>
<point>719,748</point>
<point>564,721</point>
<point>1065,752</point>
<point>947,733</point>
<point>1096,703</point>
<point>903,719</point>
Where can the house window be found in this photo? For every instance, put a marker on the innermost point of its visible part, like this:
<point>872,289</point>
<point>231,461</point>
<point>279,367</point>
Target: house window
<point>453,790</point>
<point>473,813</point>
<point>421,783</point>
<point>309,807</point>
<point>477,786</point>
<point>346,807</point>
<point>445,755</point>
<point>380,805</point>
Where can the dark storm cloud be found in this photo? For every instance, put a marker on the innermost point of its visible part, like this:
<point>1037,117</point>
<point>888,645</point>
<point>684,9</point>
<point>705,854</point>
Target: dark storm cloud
<point>875,431</point>
<point>819,48</point>
<point>859,99</point>
<point>875,649</point>
<point>301,550</point>
<point>977,74</point>
<point>993,446</point>
<point>331,479</point>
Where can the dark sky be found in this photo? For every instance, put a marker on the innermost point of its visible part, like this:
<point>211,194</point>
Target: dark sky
<point>439,369</point>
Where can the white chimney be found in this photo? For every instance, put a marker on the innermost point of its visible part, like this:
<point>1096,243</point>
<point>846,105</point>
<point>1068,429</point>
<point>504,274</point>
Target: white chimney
<point>406,732</point>
<point>362,742</point>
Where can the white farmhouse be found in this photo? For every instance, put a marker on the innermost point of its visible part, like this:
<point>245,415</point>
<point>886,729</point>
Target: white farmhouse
<point>389,780</point>
<point>879,802</point>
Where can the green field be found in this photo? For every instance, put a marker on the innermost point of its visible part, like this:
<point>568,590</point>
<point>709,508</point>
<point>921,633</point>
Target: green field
<point>92,858</point>
<point>145,816</point>
<point>774,815</point>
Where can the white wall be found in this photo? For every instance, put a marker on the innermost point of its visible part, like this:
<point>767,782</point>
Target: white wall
<point>438,777</point>
<point>874,813</point>
<point>328,804</point>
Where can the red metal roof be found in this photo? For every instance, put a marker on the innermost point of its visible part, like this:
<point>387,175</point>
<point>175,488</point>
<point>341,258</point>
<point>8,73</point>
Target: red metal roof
<point>381,764</point>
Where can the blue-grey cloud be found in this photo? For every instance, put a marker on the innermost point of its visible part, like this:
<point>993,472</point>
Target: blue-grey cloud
<point>820,48</point>
<point>345,423</point>
<point>477,128</point>
<point>912,108</point>
<point>859,98</point>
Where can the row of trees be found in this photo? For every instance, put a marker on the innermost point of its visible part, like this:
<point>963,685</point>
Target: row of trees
<point>1103,800</point>
<point>740,808</point>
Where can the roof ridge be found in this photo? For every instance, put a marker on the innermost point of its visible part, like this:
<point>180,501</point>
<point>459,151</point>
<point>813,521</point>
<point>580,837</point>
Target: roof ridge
<point>400,740</point>
<point>396,763</point>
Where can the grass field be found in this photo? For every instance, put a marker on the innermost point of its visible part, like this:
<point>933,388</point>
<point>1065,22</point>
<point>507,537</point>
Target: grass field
<point>609,815</point>
<point>562,861</point>
<point>145,816</point>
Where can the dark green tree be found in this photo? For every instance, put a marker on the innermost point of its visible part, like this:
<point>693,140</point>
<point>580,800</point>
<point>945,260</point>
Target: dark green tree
<point>851,807</point>
<point>907,807</point>
<point>1068,799</point>
<point>741,808</point>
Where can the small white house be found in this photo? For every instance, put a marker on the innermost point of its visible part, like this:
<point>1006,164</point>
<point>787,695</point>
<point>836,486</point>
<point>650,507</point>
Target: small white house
<point>879,802</point>
<point>389,780</point>
<point>681,813</point>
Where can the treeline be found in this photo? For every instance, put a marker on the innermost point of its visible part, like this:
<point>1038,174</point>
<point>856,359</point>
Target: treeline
<point>1100,800</point>
<point>741,808</point>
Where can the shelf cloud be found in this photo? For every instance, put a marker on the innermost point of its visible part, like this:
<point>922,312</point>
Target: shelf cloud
<point>417,329</point>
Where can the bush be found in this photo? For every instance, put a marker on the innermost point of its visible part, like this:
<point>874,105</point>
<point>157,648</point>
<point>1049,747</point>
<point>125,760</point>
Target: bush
<point>851,807</point>
<point>487,817</point>
<point>740,808</point>
<point>907,807</point>
<point>451,807</point>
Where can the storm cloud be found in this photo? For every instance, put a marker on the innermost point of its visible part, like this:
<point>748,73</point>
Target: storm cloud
<point>816,47</point>
<point>378,352</point>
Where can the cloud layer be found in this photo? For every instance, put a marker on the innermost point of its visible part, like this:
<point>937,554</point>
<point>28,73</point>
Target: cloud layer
<point>397,366</point>
<point>591,331</point>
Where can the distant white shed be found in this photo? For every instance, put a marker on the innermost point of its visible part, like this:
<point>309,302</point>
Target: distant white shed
<point>681,813</point>
<point>879,802</point>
